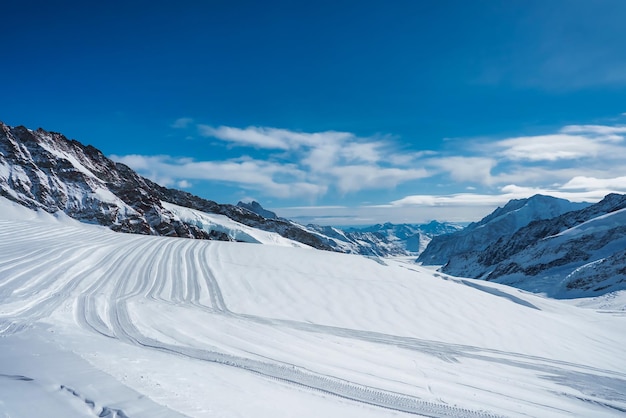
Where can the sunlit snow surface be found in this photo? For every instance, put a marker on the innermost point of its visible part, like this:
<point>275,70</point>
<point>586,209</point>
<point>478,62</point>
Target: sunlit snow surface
<point>95,322</point>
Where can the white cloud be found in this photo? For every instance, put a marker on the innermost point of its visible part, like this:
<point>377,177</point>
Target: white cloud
<point>369,152</point>
<point>248,173</point>
<point>507,193</point>
<point>358,177</point>
<point>570,143</point>
<point>466,169</point>
<point>316,163</point>
<point>592,183</point>
<point>598,132</point>
<point>548,147</point>
<point>322,157</point>
<point>182,123</point>
<point>272,138</point>
<point>458,199</point>
<point>577,162</point>
<point>244,137</point>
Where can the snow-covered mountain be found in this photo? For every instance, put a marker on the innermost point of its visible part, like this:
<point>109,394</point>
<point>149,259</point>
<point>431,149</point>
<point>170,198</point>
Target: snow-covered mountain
<point>380,240</point>
<point>45,170</point>
<point>97,323</point>
<point>468,243</point>
<point>543,245</point>
<point>580,253</point>
<point>397,239</point>
<point>256,207</point>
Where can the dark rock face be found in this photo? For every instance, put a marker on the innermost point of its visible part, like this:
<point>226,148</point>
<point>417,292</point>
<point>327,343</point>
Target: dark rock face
<point>45,170</point>
<point>258,209</point>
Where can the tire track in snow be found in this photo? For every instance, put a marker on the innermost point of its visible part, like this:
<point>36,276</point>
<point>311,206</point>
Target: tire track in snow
<point>192,294</point>
<point>159,269</point>
<point>143,267</point>
<point>125,330</point>
<point>86,311</point>
<point>215,293</point>
<point>30,272</point>
<point>294,374</point>
<point>44,289</point>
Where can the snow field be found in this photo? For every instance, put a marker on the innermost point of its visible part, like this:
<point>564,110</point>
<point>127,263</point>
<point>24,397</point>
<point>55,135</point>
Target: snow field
<point>203,328</point>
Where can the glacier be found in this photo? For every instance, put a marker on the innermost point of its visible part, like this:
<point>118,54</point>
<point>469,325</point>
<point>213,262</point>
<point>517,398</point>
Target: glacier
<point>98,323</point>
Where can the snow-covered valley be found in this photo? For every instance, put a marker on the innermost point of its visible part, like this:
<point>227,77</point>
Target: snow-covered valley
<point>96,322</point>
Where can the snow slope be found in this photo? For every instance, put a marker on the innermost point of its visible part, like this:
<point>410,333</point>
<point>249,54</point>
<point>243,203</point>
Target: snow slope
<point>581,261</point>
<point>464,247</point>
<point>45,170</point>
<point>234,230</point>
<point>95,322</point>
<point>578,254</point>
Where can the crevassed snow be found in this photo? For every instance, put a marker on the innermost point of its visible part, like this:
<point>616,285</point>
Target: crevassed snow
<point>235,230</point>
<point>97,322</point>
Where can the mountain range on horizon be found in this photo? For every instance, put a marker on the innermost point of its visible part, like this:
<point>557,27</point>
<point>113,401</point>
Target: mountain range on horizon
<point>516,244</point>
<point>168,320</point>
<point>45,170</point>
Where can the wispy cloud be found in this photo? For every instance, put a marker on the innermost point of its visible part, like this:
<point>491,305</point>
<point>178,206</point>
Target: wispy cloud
<point>571,142</point>
<point>352,178</point>
<point>246,172</point>
<point>600,132</point>
<point>293,164</point>
<point>182,123</point>
<point>272,138</point>
<point>592,183</point>
<point>548,147</point>
<point>466,169</point>
<point>505,194</point>
<point>576,162</point>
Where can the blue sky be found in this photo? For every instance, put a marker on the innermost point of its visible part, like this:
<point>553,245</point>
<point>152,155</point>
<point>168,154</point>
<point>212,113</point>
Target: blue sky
<point>337,112</point>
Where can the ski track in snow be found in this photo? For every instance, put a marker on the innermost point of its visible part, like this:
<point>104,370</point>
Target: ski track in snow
<point>99,275</point>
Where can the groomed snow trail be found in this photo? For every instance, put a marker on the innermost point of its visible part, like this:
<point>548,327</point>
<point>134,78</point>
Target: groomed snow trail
<point>186,299</point>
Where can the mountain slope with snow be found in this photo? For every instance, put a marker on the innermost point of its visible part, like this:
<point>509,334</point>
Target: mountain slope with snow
<point>95,323</point>
<point>580,253</point>
<point>40,169</point>
<point>384,240</point>
<point>467,244</point>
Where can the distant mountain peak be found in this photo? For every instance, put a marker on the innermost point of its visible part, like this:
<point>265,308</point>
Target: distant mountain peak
<point>254,206</point>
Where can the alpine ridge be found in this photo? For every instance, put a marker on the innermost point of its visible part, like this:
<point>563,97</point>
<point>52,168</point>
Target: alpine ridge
<point>579,253</point>
<point>45,170</point>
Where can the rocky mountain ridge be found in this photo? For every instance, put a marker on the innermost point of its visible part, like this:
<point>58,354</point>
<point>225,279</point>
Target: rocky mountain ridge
<point>45,170</point>
<point>575,254</point>
<point>502,222</point>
